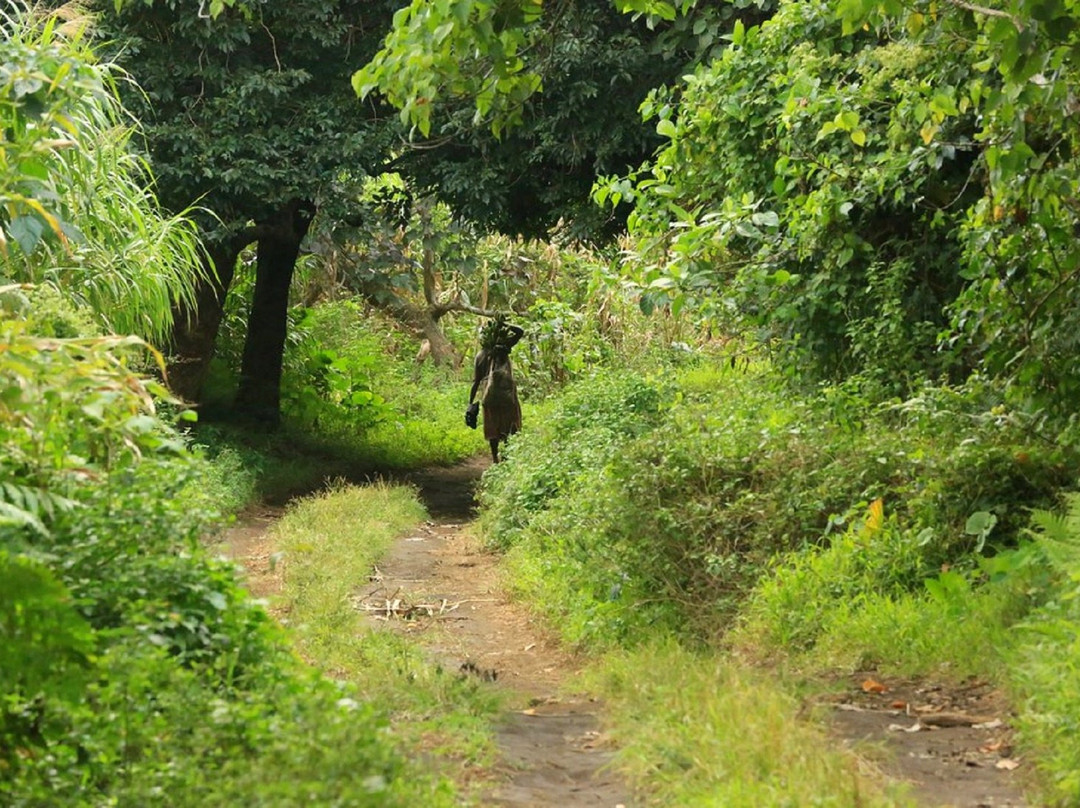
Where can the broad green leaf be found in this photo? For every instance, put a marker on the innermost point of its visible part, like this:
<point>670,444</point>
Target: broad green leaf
<point>738,33</point>
<point>27,232</point>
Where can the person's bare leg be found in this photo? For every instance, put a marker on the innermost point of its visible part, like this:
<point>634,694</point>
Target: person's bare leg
<point>494,450</point>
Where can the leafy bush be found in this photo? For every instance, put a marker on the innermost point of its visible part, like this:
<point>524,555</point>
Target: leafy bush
<point>852,183</point>
<point>1013,620</point>
<point>111,609</point>
<point>330,367</point>
<point>574,437</point>
<point>1046,656</point>
<point>668,514</point>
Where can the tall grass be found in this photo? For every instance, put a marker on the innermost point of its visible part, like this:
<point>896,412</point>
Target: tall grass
<point>84,217</point>
<point>697,730</point>
<point>330,543</point>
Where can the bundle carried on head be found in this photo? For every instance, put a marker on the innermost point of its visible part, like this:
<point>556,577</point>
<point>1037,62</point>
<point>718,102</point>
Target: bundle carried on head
<point>494,332</point>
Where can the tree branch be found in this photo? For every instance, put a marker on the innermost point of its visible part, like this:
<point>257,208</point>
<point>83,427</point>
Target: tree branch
<point>248,235</point>
<point>440,309</point>
<point>989,12</point>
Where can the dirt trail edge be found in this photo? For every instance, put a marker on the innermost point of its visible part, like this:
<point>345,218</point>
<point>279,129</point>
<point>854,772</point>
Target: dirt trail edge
<point>440,587</point>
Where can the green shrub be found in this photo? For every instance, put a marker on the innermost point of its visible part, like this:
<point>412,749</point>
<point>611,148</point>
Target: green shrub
<point>668,514</point>
<point>800,598</point>
<point>1045,656</point>
<point>330,367</point>
<point>564,445</point>
<point>352,391</point>
<point>134,668</point>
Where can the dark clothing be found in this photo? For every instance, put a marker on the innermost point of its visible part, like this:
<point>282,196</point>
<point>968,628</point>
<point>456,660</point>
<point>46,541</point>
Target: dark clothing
<point>498,393</point>
<point>493,378</point>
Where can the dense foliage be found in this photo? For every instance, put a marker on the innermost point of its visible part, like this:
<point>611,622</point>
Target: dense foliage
<point>882,196</point>
<point>707,503</point>
<point>518,106</point>
<point>134,669</point>
<point>76,211</point>
<point>111,607</point>
<point>665,499</point>
<point>892,198</point>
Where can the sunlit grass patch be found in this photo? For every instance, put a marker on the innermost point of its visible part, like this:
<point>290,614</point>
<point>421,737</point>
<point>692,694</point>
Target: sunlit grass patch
<point>698,730</point>
<point>330,543</point>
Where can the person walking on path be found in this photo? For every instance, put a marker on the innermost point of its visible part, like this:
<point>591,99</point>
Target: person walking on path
<point>493,378</point>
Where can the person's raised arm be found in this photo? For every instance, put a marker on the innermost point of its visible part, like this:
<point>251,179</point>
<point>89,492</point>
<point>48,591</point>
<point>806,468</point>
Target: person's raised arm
<point>514,333</point>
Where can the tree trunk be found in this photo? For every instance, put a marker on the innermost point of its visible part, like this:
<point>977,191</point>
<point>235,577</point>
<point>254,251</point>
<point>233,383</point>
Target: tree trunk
<point>259,395</point>
<point>440,348</point>
<point>426,321</point>
<point>195,331</point>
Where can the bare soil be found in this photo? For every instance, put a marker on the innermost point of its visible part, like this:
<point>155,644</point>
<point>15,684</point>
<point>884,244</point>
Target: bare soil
<point>951,743</point>
<point>440,587</point>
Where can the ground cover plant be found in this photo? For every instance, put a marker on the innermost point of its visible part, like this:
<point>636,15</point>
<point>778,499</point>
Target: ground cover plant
<point>681,488</point>
<point>329,544</point>
<point>820,533</point>
<point>134,668</point>
<point>114,608</point>
<point>694,729</point>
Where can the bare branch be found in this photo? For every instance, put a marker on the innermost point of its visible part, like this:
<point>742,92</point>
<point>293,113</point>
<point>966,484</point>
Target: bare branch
<point>989,12</point>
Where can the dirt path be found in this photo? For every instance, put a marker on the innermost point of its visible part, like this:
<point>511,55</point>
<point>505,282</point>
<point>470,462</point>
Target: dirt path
<point>952,743</point>
<point>552,752</point>
<point>440,588</point>
<point>550,743</point>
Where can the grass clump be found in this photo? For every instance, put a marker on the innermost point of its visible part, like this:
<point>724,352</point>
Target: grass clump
<point>331,542</point>
<point>695,730</point>
<point>1044,653</point>
<point>866,600</point>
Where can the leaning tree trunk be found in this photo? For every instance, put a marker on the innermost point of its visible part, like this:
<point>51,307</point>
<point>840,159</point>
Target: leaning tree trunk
<point>259,394</point>
<point>196,329</point>
<point>426,323</point>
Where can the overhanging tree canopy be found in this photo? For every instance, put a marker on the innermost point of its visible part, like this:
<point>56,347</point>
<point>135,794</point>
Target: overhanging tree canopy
<point>247,110</point>
<point>889,188</point>
<point>250,114</point>
<point>528,103</point>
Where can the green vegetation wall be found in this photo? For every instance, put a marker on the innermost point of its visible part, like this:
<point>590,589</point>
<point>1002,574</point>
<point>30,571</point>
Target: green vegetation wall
<point>878,189</point>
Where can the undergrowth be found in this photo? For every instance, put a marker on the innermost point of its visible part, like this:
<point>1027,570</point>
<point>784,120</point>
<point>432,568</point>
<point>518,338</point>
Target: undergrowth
<point>661,502</point>
<point>134,669</point>
<point>818,532</point>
